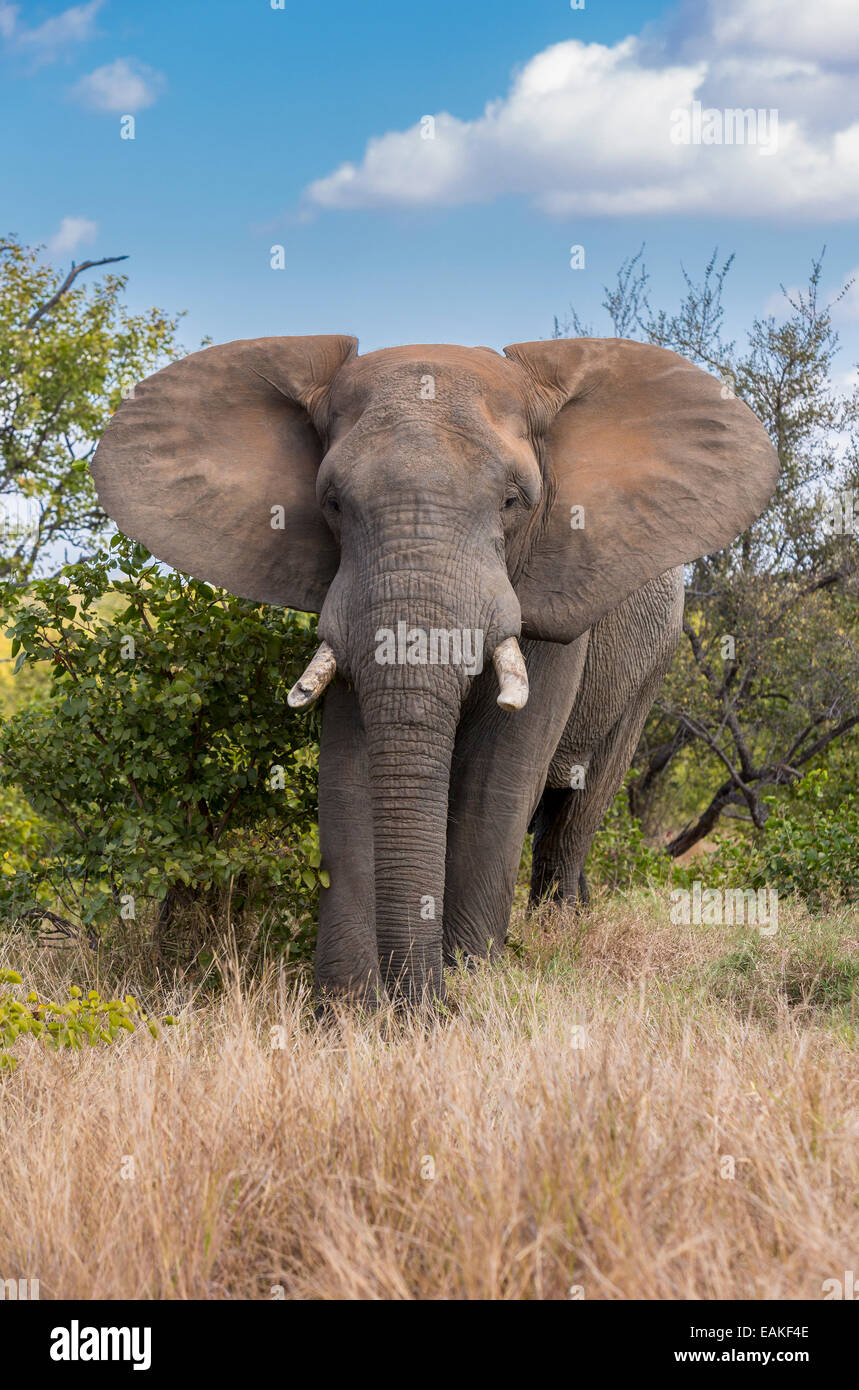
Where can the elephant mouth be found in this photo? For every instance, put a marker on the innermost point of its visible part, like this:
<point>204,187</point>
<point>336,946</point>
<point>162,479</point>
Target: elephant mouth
<point>507,659</point>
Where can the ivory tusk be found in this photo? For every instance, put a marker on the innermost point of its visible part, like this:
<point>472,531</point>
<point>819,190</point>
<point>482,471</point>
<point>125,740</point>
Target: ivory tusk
<point>512,675</point>
<point>320,672</point>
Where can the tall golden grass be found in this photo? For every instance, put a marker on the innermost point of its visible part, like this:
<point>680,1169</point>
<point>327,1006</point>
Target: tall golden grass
<point>568,1129</point>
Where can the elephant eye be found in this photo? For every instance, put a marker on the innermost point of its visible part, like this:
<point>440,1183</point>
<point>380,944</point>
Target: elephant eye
<point>332,504</point>
<point>511,500</point>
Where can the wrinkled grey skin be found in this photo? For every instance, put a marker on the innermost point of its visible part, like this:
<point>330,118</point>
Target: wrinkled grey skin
<point>587,707</point>
<point>434,486</point>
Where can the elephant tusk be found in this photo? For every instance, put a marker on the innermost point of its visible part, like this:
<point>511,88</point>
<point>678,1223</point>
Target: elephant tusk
<point>512,675</point>
<point>320,672</point>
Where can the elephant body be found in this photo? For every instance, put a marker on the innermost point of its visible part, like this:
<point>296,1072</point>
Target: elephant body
<point>436,505</point>
<point>589,701</point>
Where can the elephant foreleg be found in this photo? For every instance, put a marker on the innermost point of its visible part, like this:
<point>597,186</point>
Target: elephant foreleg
<point>500,764</point>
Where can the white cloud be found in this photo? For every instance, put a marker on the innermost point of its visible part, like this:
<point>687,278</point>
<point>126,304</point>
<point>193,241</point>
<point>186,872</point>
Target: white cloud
<point>124,85</point>
<point>72,233</point>
<point>825,30</point>
<point>52,37</point>
<point>585,128</point>
<point>578,115</point>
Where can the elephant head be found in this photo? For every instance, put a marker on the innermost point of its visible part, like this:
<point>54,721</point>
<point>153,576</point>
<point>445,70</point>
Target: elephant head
<point>430,490</point>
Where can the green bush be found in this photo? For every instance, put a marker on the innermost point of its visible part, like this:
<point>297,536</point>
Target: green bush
<point>620,856</point>
<point>163,765</point>
<point>79,1020</point>
<point>21,832</point>
<point>809,845</point>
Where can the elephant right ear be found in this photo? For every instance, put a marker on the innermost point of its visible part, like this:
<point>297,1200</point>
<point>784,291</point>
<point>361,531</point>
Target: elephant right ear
<point>212,465</point>
<point>649,462</point>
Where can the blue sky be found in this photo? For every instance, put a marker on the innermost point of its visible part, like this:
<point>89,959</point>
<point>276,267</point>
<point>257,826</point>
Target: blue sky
<point>254,127</point>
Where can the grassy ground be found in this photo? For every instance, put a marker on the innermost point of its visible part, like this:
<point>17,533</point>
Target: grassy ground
<point>620,1107</point>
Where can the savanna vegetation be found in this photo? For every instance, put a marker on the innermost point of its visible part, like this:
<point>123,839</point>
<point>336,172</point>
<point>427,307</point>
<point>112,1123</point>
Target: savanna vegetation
<point>624,1106</point>
<point>619,1108</point>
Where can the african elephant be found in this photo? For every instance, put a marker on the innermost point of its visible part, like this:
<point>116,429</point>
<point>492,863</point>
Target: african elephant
<point>550,494</point>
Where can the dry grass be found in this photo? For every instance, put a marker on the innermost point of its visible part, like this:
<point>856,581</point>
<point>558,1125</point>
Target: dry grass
<point>212,1164</point>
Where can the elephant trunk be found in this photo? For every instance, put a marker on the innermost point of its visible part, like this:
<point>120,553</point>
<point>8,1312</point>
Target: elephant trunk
<point>410,737</point>
<point>410,640</point>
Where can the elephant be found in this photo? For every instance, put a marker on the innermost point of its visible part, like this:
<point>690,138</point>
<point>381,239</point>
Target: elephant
<point>494,543</point>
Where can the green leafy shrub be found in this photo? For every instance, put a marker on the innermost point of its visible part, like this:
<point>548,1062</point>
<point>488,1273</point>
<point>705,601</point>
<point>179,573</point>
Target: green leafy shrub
<point>809,845</point>
<point>163,764</point>
<point>79,1020</point>
<point>21,832</point>
<point>620,857</point>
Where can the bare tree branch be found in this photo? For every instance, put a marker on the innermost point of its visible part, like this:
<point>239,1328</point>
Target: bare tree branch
<point>73,274</point>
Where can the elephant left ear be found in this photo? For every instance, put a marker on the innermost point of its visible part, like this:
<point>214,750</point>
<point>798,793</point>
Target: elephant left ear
<point>649,462</point>
<point>212,464</point>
